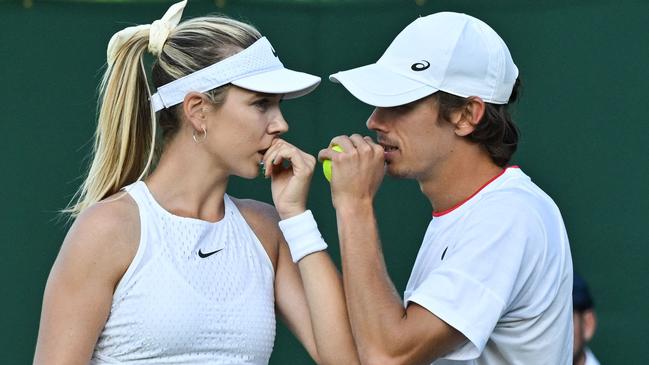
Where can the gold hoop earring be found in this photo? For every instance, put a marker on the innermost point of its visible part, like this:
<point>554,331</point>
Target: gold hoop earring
<point>202,137</point>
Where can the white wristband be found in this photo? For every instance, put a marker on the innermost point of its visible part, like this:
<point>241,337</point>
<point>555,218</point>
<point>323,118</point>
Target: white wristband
<point>302,235</point>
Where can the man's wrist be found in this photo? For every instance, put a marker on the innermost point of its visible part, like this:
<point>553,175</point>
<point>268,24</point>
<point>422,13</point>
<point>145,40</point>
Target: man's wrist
<point>354,206</point>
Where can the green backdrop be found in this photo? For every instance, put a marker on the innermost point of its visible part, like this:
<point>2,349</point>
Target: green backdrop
<point>582,115</point>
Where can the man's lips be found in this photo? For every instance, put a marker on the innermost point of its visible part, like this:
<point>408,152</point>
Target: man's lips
<point>388,147</point>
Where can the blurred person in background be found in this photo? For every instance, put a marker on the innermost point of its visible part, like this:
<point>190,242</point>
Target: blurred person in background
<point>584,321</point>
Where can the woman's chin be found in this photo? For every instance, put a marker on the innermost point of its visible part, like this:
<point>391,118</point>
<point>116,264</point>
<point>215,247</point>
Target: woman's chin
<point>250,174</point>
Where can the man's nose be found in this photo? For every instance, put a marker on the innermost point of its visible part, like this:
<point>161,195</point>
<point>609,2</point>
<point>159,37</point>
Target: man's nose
<point>376,121</point>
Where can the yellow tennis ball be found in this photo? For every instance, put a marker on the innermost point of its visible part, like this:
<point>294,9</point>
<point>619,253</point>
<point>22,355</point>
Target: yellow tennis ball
<point>326,164</point>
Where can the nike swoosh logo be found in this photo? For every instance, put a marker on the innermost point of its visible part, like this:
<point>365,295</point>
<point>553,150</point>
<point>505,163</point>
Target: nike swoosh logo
<point>444,253</point>
<point>207,254</point>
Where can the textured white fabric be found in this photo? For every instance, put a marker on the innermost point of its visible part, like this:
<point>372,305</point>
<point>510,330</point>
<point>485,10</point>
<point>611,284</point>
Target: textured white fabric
<point>256,68</point>
<point>158,32</point>
<point>161,28</point>
<point>498,268</point>
<point>302,235</point>
<point>446,51</point>
<point>590,357</point>
<point>174,307</point>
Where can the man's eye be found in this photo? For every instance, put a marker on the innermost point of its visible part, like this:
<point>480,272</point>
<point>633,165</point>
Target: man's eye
<point>262,104</point>
<point>402,108</point>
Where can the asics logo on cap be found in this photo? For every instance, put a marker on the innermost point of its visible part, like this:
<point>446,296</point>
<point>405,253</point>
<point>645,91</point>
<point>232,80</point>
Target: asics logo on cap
<point>273,49</point>
<point>420,66</point>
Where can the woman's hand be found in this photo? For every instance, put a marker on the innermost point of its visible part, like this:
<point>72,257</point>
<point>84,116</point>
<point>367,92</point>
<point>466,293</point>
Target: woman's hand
<point>290,170</point>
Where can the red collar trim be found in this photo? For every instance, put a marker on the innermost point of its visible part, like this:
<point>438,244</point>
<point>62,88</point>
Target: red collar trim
<point>439,214</point>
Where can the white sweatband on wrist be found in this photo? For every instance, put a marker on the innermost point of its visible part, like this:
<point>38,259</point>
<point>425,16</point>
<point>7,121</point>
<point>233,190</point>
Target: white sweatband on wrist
<point>302,235</point>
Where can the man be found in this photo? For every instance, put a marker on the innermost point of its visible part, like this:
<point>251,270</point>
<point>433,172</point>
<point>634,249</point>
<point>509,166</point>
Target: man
<point>585,322</point>
<point>493,277</point>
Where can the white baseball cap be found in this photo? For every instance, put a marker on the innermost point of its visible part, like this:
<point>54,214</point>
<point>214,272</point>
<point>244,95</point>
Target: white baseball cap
<point>452,52</point>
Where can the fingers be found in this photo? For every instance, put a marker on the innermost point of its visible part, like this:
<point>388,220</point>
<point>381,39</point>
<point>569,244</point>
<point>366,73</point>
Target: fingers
<point>357,171</point>
<point>329,152</point>
<point>301,162</point>
<point>351,144</point>
<point>362,145</point>
<point>345,142</point>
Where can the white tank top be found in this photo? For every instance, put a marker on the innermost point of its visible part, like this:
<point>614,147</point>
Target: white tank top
<point>196,292</point>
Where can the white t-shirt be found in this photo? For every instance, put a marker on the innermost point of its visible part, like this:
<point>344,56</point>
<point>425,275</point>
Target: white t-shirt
<point>590,357</point>
<point>498,269</point>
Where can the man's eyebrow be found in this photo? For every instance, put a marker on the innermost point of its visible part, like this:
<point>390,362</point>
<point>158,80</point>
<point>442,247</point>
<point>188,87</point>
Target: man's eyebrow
<point>264,95</point>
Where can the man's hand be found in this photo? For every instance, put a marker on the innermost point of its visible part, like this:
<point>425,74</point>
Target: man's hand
<point>357,172</point>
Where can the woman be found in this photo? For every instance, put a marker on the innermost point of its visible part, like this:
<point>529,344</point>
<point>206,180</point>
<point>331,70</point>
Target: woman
<point>170,269</point>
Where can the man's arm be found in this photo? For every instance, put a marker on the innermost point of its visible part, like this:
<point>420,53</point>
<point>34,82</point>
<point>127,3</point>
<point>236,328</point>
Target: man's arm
<point>385,332</point>
<point>309,294</point>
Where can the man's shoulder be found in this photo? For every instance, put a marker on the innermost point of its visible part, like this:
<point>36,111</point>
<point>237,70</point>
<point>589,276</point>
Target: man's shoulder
<point>517,197</point>
<point>519,208</point>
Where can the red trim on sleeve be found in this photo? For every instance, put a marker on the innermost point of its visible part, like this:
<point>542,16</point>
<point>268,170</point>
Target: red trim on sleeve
<point>439,214</point>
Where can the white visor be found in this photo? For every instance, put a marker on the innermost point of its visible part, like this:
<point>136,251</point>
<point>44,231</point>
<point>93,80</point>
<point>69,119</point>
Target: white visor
<point>256,68</point>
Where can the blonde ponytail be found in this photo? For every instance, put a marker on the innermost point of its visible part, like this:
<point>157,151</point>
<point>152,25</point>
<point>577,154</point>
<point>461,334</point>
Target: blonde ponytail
<point>125,136</point>
<point>125,139</point>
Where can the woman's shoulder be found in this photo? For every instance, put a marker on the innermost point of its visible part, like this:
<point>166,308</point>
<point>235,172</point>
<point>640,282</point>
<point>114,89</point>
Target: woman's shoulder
<point>263,220</point>
<point>105,235</point>
<point>263,212</point>
<point>114,217</point>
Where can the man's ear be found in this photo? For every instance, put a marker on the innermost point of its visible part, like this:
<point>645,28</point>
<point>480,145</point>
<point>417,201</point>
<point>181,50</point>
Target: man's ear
<point>467,119</point>
<point>589,320</point>
<point>194,110</point>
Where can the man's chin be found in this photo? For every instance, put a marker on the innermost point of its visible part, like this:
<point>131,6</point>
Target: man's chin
<point>393,172</point>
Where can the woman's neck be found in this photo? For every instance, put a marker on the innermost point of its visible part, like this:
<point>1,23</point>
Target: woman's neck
<point>186,183</point>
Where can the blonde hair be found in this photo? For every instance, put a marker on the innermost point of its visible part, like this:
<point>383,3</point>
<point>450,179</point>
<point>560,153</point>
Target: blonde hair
<point>125,139</point>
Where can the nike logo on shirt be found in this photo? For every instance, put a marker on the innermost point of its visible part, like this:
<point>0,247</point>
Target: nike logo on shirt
<point>207,254</point>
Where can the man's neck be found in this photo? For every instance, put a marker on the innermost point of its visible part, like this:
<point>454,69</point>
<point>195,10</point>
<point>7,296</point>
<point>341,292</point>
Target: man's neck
<point>455,182</point>
<point>580,359</point>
